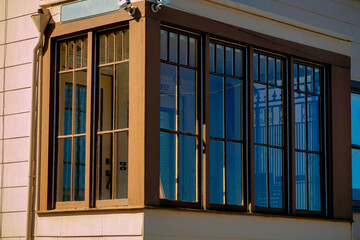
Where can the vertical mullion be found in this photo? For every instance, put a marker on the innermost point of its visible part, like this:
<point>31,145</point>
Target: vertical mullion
<point>306,143</point>
<point>81,52</point>
<point>267,131</point>
<point>224,127</point>
<point>113,133</point>
<point>73,132</point>
<point>291,135</point>
<point>177,128</point>
<point>106,49</point>
<point>66,56</point>
<point>251,139</point>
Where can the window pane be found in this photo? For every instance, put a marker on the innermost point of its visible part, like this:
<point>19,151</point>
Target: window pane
<point>78,54</point>
<point>80,124</point>
<point>62,56</point>
<point>119,45</point>
<point>296,77</point>
<point>301,181</point>
<point>111,42</point>
<point>275,121</point>
<point>279,72</point>
<point>168,82</point>
<point>167,166</point>
<point>275,178</point>
<point>313,123</point>
<point>233,174</point>
<point>256,67</point>
<point>355,174</point>
<point>104,166</point>
<point>85,49</point>
<point>229,61</point>
<point>212,57</point>
<point>309,81</point>
<point>173,47</point>
<point>126,44</point>
<point>122,96</point>
<point>260,112</point>
<point>238,63</point>
<point>102,49</point>
<point>164,45</point>
<point>216,172</point>
<point>192,52</point>
<point>121,170</point>
<point>183,49</point>
<point>317,81</point>
<point>233,109</point>
<point>187,168</point>
<point>355,118</point>
<point>219,58</point>
<point>216,96</point>
<point>65,104</point>
<point>300,124</point>
<point>263,72</point>
<point>187,101</point>
<point>261,183</point>
<point>314,182</point>
<point>105,107</point>
<point>302,78</point>
<point>271,72</point>
<point>70,55</point>
<point>64,169</point>
<point>79,174</point>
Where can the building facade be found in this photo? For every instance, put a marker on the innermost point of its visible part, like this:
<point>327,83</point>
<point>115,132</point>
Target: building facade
<point>199,119</point>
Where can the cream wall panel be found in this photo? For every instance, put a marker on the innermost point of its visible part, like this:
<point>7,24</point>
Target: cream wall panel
<point>11,149</point>
<point>13,224</point>
<point>18,101</point>
<point>2,32</point>
<point>2,103</point>
<point>191,225</point>
<point>17,125</point>
<point>18,8</point>
<point>2,56</point>
<point>1,127</point>
<point>48,226</point>
<point>18,77</point>
<point>356,226</point>
<point>121,238</point>
<point>46,238</point>
<point>14,199</point>
<point>2,79</point>
<point>85,225</point>
<point>20,28</point>
<point>15,174</point>
<point>20,52</point>
<point>2,10</point>
<point>124,224</point>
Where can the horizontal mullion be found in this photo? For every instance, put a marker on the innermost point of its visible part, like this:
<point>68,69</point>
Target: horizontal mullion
<point>178,132</point>
<point>71,136</point>
<point>113,131</point>
<point>73,70</point>
<point>113,63</point>
<point>307,151</point>
<point>308,93</point>
<point>226,75</point>
<point>355,146</point>
<point>226,140</point>
<point>269,146</point>
<point>179,65</point>
<point>269,84</point>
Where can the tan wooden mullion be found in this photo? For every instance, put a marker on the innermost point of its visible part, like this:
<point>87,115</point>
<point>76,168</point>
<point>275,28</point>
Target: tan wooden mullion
<point>113,134</point>
<point>71,70</point>
<point>106,49</point>
<point>111,64</point>
<point>72,136</point>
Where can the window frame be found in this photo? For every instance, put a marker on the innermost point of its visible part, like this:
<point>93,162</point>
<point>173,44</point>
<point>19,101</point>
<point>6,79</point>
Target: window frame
<point>355,88</point>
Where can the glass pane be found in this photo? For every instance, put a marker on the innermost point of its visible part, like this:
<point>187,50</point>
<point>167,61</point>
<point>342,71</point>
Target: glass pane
<point>233,174</point>
<point>173,47</point>
<point>260,112</point>
<point>229,61</point>
<point>309,79</point>
<point>233,109</point>
<point>78,54</point>
<point>355,173</point>
<point>279,72</point>
<point>80,114</point>
<point>126,44</point>
<point>317,80</point>
<point>164,45</point>
<point>302,78</point>
<point>300,124</point>
<point>102,49</point>
<point>212,57</point>
<point>271,72</point>
<point>355,118</point>
<point>119,45</point>
<point>216,172</point>
<point>263,72</point>
<point>71,55</point>
<point>122,96</point>
<point>79,174</point>
<point>183,50</point>
<point>65,104</point>
<point>256,67</point>
<point>313,123</point>
<point>314,182</point>
<point>187,168</point>
<point>64,169</point>
<point>216,95</point>
<point>121,161</point>
<point>275,118</point>
<point>296,76</point>
<point>192,52</point>
<point>85,50</point>
<point>104,165</point>
<point>187,101</point>
<point>167,165</point>
<point>111,38</point>
<point>275,178</point>
<point>238,63</point>
<point>62,56</point>
<point>219,58</point>
<point>261,183</point>
<point>301,181</point>
<point>168,79</point>
<point>105,107</point>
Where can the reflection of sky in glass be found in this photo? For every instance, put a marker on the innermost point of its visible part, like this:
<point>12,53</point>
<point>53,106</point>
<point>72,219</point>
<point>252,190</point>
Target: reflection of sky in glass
<point>187,102</point>
<point>167,165</point>
<point>355,118</point>
<point>261,187</point>
<point>216,95</point>
<point>233,173</point>
<point>233,109</point>
<point>187,168</point>
<point>356,174</point>
<point>275,178</point>
<point>314,182</point>
<point>260,118</point>
<point>216,172</point>
<point>168,96</point>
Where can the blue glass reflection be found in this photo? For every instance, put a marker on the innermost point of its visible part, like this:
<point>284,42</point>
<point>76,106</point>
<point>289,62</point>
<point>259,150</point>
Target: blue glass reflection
<point>295,76</point>
<point>187,168</point>
<point>279,72</point>
<point>260,112</point>
<point>216,95</point>
<point>263,72</point>
<point>68,109</point>
<point>256,67</point>
<point>300,124</point>
<point>219,58</point>
<point>355,118</point>
<point>173,47</point>
<point>183,49</point>
<point>216,172</point>
<point>187,101</point>
<point>66,164</point>
<point>229,60</point>
<point>317,80</point>
<point>233,109</point>
<point>313,123</point>
<point>212,57</point>
<point>168,96</point>
<point>302,78</point>
<point>275,111</point>
<point>238,63</point>
<point>355,174</point>
<point>233,174</point>
<point>192,52</point>
<point>300,181</point>
<point>261,184</point>
<point>79,174</point>
<point>275,178</point>
<point>314,182</point>
<point>80,109</point>
<point>309,81</point>
<point>271,71</point>
<point>167,165</point>
<point>164,44</point>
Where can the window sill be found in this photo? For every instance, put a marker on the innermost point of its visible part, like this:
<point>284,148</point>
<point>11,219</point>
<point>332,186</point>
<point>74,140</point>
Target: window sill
<point>90,210</point>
